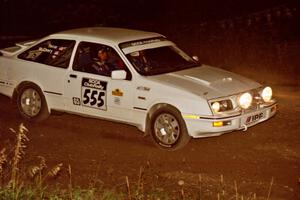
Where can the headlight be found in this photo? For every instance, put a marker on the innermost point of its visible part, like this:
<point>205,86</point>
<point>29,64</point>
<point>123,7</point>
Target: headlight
<point>216,106</point>
<point>245,100</point>
<point>267,94</point>
<point>221,105</point>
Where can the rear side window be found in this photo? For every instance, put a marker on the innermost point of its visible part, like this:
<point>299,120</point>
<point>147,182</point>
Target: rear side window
<point>55,53</point>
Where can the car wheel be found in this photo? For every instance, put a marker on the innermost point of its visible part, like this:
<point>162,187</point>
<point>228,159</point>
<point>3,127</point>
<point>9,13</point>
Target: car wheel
<point>32,103</point>
<point>168,129</point>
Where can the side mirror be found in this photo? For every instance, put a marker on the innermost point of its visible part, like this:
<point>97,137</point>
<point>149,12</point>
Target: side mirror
<point>196,58</point>
<point>118,74</point>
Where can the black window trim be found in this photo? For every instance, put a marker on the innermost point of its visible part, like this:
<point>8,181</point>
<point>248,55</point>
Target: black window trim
<point>42,41</point>
<point>128,77</point>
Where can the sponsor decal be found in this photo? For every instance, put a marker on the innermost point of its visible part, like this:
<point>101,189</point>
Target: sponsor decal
<point>51,49</point>
<point>93,93</point>
<point>117,92</point>
<point>254,118</point>
<point>143,88</point>
<point>142,42</point>
<point>117,101</point>
<point>76,101</point>
<point>41,49</point>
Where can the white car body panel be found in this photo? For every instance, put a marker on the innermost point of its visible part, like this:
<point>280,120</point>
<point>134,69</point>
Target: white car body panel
<point>216,82</point>
<point>126,101</point>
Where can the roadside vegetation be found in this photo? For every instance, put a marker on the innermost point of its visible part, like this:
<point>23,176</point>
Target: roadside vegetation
<point>40,181</point>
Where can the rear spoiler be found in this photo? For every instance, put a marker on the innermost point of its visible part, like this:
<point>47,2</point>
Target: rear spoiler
<point>10,51</point>
<point>26,43</point>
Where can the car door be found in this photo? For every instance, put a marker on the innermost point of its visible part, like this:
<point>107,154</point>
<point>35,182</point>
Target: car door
<point>95,93</point>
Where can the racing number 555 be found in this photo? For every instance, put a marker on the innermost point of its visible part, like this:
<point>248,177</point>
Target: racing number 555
<point>94,93</point>
<point>93,97</point>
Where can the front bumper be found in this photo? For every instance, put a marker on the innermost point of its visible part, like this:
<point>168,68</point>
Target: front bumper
<point>204,126</point>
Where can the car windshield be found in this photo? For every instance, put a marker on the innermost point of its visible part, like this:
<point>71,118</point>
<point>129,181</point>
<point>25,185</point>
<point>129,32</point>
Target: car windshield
<point>160,60</point>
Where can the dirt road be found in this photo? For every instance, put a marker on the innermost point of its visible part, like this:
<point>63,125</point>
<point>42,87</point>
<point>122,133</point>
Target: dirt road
<point>107,152</point>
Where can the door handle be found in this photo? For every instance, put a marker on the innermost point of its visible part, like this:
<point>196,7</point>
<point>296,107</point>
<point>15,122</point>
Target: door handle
<point>73,76</point>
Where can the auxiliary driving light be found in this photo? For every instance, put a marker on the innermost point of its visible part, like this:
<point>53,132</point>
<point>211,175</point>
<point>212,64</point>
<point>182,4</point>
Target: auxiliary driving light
<point>267,94</point>
<point>245,100</point>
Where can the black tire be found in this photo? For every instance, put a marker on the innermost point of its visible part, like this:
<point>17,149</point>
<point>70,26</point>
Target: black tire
<point>173,135</point>
<point>31,103</point>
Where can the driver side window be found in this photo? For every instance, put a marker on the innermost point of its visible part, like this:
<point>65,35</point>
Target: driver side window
<point>98,59</point>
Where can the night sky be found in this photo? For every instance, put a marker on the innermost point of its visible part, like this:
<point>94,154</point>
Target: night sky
<point>41,17</point>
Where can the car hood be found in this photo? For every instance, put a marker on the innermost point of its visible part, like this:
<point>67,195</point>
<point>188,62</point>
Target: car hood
<point>206,81</point>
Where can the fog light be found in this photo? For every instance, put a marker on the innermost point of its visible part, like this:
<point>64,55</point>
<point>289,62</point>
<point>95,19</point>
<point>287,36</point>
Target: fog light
<point>221,123</point>
<point>217,124</point>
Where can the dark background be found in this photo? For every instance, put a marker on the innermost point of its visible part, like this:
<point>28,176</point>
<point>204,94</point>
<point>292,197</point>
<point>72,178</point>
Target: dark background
<point>35,17</point>
<point>259,39</point>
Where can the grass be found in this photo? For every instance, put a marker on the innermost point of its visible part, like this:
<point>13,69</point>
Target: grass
<point>21,182</point>
<point>31,183</point>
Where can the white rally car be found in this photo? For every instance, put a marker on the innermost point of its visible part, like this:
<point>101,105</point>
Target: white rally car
<point>146,81</point>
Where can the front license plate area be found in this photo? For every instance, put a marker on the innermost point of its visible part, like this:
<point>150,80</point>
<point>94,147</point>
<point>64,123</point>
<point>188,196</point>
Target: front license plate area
<point>252,119</point>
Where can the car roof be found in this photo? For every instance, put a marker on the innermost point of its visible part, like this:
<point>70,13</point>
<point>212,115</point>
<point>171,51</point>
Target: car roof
<point>109,34</point>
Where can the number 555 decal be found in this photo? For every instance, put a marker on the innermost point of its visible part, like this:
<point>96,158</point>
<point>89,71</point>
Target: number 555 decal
<point>93,93</point>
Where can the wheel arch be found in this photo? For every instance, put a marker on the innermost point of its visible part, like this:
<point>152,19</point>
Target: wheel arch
<point>17,89</point>
<point>25,82</point>
<point>154,108</point>
<point>158,106</point>
<point>182,137</point>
